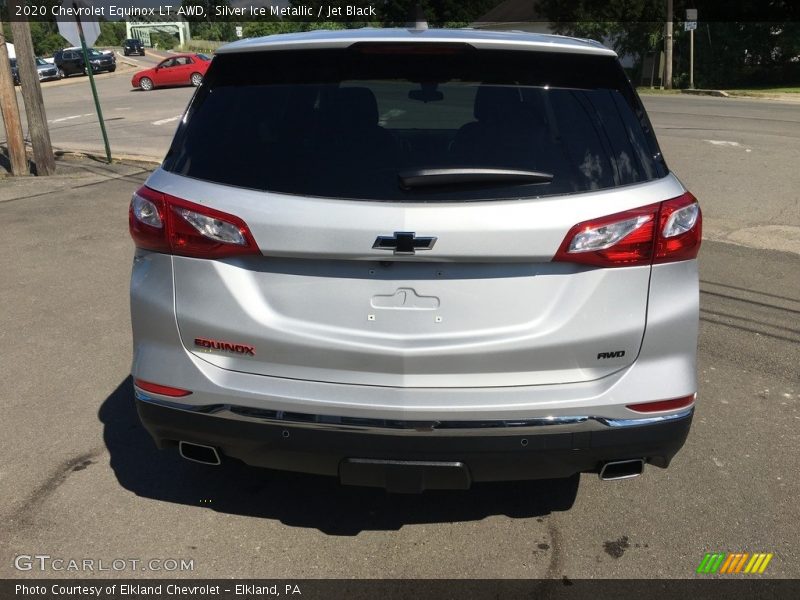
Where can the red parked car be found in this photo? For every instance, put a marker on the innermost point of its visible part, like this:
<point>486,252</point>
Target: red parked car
<point>180,69</point>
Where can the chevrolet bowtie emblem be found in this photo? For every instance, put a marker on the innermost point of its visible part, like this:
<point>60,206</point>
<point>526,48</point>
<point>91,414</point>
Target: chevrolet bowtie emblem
<point>403,242</point>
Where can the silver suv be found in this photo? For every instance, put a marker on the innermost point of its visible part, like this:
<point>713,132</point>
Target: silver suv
<point>416,259</point>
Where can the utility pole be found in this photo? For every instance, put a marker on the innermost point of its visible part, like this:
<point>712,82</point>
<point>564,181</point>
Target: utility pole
<point>32,95</point>
<point>668,49</point>
<point>10,111</point>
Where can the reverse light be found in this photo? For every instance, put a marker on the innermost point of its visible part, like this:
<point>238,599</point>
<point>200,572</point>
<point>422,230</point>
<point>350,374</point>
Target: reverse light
<point>157,388</point>
<point>619,240</point>
<point>213,229</point>
<point>663,405</point>
<point>605,236</point>
<point>164,223</point>
<point>680,229</point>
<point>664,232</point>
<point>145,211</point>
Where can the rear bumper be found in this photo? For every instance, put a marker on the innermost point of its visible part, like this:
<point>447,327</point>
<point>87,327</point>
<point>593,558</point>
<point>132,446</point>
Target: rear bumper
<point>413,456</point>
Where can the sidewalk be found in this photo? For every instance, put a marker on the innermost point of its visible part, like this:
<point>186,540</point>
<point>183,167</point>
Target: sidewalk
<point>773,96</point>
<point>72,172</point>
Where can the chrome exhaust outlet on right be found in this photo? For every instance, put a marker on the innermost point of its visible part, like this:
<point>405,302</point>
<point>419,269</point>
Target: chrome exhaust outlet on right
<point>199,453</point>
<point>622,469</point>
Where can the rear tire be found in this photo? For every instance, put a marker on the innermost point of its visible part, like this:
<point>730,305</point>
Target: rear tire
<point>196,79</point>
<point>145,84</point>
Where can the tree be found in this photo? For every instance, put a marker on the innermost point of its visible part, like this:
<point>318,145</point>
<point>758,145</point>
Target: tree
<point>631,26</point>
<point>112,33</point>
<point>727,54</point>
<point>215,31</point>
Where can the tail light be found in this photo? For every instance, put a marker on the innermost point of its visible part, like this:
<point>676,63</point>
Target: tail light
<point>164,223</point>
<point>657,233</point>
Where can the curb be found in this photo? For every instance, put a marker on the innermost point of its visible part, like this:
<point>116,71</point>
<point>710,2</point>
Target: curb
<point>116,158</point>
<point>717,93</point>
<point>124,59</point>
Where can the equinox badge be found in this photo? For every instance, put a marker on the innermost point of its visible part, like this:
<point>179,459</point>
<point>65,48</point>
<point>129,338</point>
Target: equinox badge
<point>403,242</point>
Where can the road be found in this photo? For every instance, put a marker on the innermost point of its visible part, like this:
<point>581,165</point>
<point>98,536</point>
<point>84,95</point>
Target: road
<point>138,123</point>
<point>83,480</point>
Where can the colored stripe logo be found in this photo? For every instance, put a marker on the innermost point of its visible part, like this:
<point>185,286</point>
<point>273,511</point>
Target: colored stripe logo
<point>734,562</point>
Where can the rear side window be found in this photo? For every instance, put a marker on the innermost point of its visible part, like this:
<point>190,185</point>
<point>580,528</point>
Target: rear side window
<point>349,123</point>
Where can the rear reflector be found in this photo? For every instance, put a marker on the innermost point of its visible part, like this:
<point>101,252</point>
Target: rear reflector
<point>663,405</point>
<point>657,233</point>
<point>157,388</point>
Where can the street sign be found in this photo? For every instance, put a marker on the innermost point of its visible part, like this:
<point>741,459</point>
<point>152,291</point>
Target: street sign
<point>691,14</point>
<point>239,32</point>
<point>690,25</point>
<point>68,28</point>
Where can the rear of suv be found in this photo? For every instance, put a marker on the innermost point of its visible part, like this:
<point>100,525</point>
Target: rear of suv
<point>416,260</point>
<point>133,46</point>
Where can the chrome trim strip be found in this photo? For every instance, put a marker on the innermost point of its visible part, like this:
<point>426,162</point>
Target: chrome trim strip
<point>402,427</point>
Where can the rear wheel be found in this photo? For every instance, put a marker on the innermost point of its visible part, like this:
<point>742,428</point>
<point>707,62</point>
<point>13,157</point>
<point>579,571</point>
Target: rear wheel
<point>112,69</point>
<point>197,79</point>
<point>146,84</point>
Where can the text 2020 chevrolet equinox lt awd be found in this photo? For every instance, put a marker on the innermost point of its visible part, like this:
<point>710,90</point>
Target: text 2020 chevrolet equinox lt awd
<point>416,259</point>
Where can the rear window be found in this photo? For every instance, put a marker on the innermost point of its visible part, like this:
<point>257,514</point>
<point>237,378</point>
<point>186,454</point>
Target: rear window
<point>350,123</point>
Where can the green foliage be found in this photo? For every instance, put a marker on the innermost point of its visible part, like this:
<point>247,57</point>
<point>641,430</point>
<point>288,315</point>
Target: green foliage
<point>726,54</point>
<point>731,55</point>
<point>201,46</point>
<point>112,33</point>
<point>261,28</point>
<point>628,25</point>
<point>218,31</point>
<point>437,12</point>
<point>208,7</point>
<point>164,41</point>
<point>399,12</point>
<point>46,39</point>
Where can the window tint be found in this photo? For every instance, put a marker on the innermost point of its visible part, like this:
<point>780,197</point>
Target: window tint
<point>346,123</point>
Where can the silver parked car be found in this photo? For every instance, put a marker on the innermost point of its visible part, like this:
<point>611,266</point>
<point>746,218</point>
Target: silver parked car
<point>414,260</point>
<point>46,71</point>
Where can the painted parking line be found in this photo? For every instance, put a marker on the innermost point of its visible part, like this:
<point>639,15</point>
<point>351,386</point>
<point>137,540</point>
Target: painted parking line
<point>165,121</point>
<point>62,119</point>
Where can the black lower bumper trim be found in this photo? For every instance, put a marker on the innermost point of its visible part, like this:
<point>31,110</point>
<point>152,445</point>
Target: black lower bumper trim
<point>412,463</point>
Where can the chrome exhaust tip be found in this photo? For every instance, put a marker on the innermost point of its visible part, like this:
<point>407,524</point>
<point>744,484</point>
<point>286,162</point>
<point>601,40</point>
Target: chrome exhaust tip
<point>622,469</point>
<point>199,453</point>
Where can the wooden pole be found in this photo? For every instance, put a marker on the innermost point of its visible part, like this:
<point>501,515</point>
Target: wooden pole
<point>32,95</point>
<point>10,111</point>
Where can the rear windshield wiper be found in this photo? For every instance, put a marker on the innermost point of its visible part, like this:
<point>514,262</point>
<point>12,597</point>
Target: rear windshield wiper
<point>416,178</point>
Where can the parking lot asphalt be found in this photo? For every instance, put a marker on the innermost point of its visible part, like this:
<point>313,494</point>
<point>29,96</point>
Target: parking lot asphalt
<point>81,478</point>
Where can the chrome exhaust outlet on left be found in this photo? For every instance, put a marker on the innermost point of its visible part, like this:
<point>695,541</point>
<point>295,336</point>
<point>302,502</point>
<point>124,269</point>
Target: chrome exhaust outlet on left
<point>622,469</point>
<point>199,453</point>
